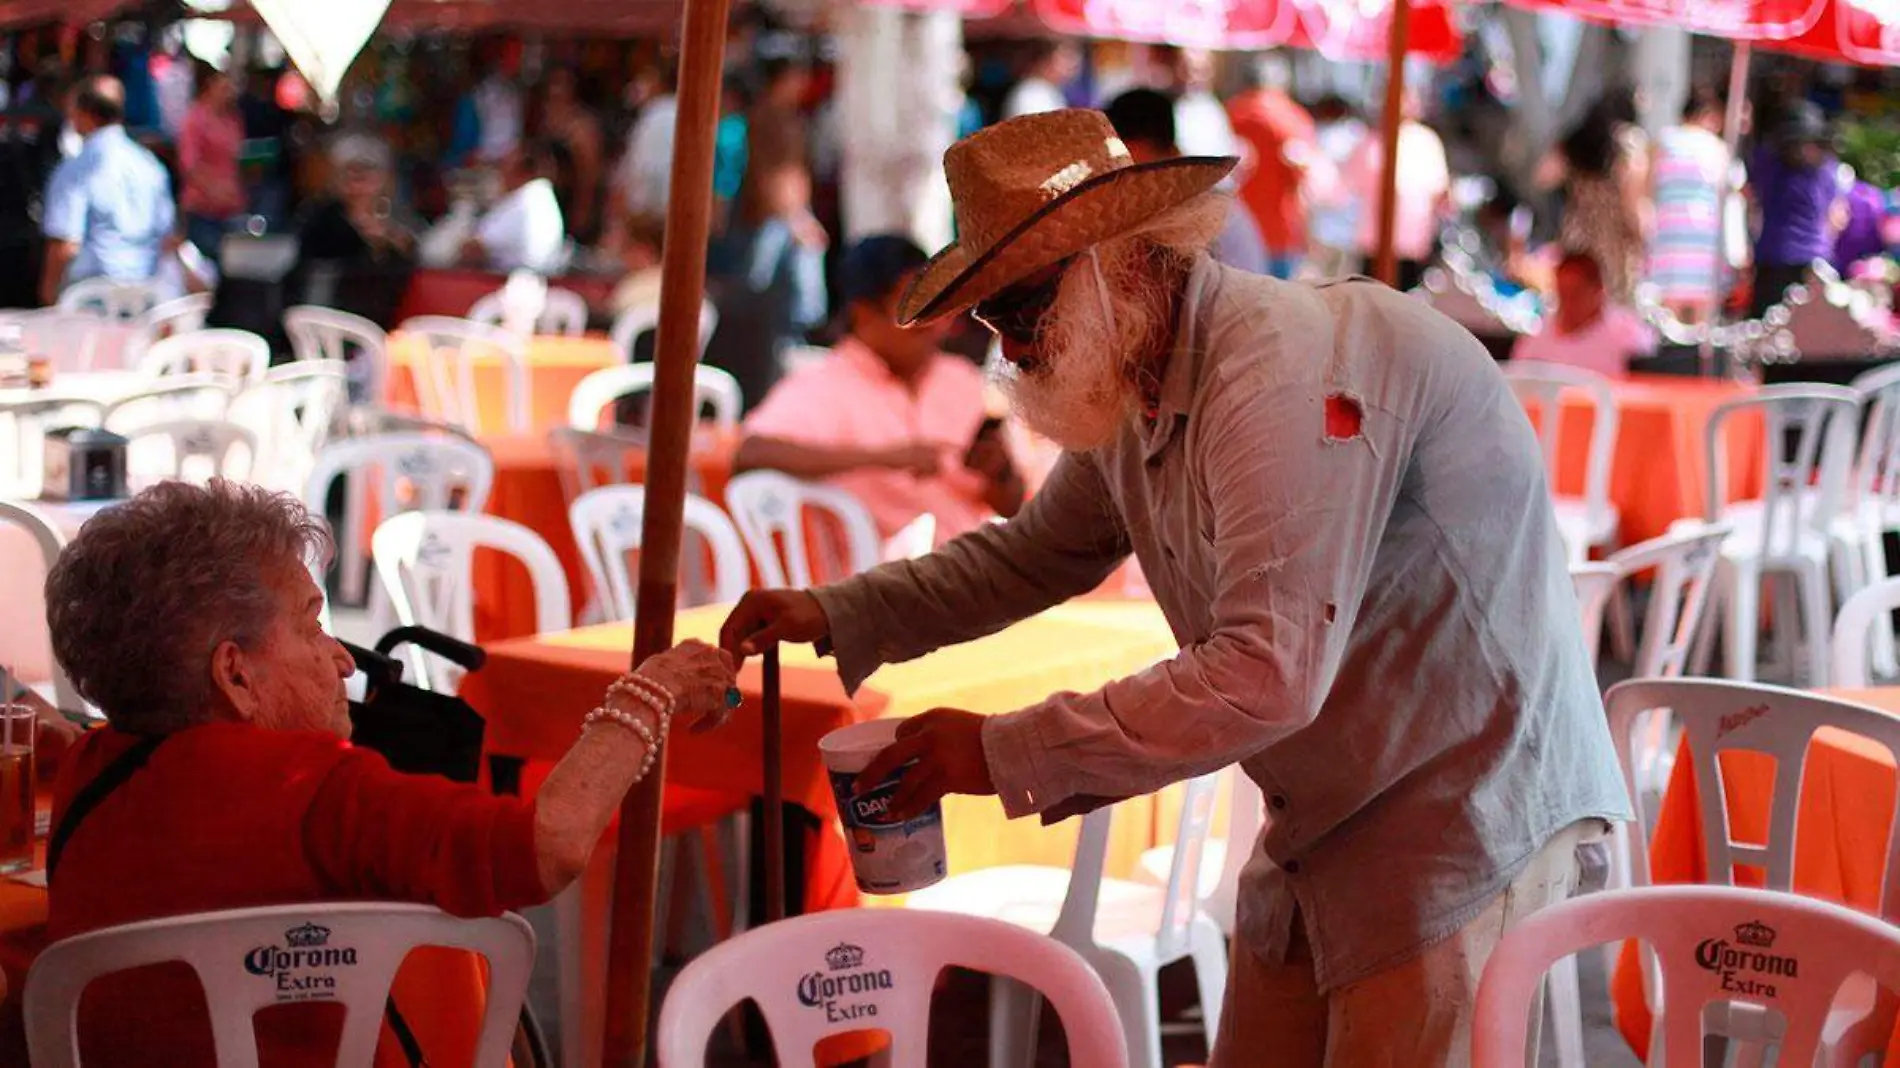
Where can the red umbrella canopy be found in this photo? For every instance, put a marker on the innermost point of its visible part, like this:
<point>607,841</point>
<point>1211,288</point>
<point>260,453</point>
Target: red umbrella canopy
<point>969,9</point>
<point>1238,24</point>
<point>1855,31</point>
<point>1358,30</point>
<point>1737,20</point>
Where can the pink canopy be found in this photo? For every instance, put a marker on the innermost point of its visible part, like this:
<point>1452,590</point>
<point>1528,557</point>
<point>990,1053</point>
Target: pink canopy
<point>1361,30</point>
<point>1238,24</point>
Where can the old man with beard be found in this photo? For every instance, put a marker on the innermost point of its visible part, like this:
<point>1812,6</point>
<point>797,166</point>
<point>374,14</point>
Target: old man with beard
<point>1343,514</point>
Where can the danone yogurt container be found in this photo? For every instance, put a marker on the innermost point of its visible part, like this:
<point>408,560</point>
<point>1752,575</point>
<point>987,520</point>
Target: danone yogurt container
<point>888,856</point>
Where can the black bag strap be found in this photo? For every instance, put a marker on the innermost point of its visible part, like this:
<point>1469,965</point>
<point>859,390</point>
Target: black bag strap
<point>94,792</point>
<point>406,1038</point>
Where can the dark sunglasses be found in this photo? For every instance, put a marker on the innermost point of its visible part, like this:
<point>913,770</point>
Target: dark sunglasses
<point>1015,313</point>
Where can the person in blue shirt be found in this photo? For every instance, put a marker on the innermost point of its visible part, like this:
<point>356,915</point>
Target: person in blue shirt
<point>109,210</point>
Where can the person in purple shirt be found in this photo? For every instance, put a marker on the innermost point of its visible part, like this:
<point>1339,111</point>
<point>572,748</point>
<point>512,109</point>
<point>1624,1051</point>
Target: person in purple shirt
<point>1795,183</point>
<point>1861,238</point>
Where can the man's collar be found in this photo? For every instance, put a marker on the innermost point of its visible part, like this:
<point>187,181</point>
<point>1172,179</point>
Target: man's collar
<point>1184,360</point>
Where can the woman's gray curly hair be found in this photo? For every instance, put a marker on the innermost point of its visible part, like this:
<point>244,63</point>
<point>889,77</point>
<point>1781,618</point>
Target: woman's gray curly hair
<point>140,598</point>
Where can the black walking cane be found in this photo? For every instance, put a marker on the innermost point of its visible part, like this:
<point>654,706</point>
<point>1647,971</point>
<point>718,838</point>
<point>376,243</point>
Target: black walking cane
<point>774,755</point>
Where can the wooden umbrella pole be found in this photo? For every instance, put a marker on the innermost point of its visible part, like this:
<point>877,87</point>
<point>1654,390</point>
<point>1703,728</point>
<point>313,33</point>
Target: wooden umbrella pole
<point>1397,42</point>
<point>672,414</point>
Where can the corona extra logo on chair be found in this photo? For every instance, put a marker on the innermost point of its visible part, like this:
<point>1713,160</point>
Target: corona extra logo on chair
<point>300,967</point>
<point>850,991</point>
<point>1742,961</point>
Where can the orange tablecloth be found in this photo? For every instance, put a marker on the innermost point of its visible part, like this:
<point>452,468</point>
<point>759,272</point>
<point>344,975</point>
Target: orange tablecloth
<point>556,366</point>
<point>534,692</point>
<point>1846,807</point>
<point>1660,469</point>
<point>528,491</point>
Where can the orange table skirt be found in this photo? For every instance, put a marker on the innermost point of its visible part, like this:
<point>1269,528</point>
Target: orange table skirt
<point>1841,830</point>
<point>555,366</point>
<point>528,491</point>
<point>535,690</point>
<point>1660,470</point>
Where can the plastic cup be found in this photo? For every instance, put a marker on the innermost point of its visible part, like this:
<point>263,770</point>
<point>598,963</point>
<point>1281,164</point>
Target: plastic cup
<point>887,856</point>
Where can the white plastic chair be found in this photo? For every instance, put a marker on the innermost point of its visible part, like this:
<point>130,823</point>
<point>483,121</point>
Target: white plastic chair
<point>1718,716</point>
<point>46,535</point>
<point>606,524</point>
<point>327,334</point>
<point>1863,625</point>
<point>175,397</point>
<point>24,420</point>
<point>886,961</point>
<point>184,315</point>
<point>769,507</point>
<point>712,389</point>
<point>1127,930</point>
<point>587,460</point>
<point>1795,953</point>
<point>1591,521</point>
<point>116,301</point>
<point>1595,583</point>
<point>426,562</point>
<point>74,341</point>
<point>1807,451</point>
<point>1221,858</point>
<point>238,355</point>
<point>564,312</point>
<point>637,320</point>
<point>436,470</point>
<point>445,384</point>
<point>357,947</point>
<point>1874,509</point>
<point>196,450</point>
<point>292,410</point>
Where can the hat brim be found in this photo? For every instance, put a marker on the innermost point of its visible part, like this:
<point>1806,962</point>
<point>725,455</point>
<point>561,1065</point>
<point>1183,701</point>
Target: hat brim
<point>1097,210</point>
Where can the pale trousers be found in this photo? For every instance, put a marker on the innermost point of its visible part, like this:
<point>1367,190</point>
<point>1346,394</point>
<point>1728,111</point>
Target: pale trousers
<point>1415,1014</point>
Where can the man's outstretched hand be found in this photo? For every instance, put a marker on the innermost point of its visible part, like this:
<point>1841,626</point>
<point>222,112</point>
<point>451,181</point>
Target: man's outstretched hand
<point>764,618</point>
<point>948,747</point>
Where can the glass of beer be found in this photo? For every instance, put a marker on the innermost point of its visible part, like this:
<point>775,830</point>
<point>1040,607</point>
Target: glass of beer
<point>18,725</point>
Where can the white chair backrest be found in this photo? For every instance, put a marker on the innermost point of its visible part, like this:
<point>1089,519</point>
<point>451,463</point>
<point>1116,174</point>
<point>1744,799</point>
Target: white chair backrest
<point>196,450</point>
<point>238,355</point>
<point>181,316</point>
<point>1877,467</point>
<point>713,389</point>
<point>74,341</point>
<point>1718,716</point>
<point>50,541</point>
<point>175,397</point>
<point>564,312</point>
<point>457,349</point>
<point>327,334</point>
<point>345,952</point>
<point>637,320</point>
<point>1855,632</point>
<point>606,524</point>
<point>916,539</point>
<point>1075,925</point>
<point>1596,584</point>
<point>1684,564</point>
<point>1808,444</point>
<point>425,560</point>
<point>293,411</point>
<point>1246,819</point>
<point>414,470</point>
<point>586,460</point>
<point>1784,953</point>
<point>1542,386</point>
<point>24,421</point>
<point>877,968</point>
<point>769,508</point>
<point>119,301</point>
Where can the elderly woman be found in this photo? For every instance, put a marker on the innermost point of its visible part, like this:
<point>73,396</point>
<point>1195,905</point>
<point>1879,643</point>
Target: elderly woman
<point>355,251</point>
<point>189,617</point>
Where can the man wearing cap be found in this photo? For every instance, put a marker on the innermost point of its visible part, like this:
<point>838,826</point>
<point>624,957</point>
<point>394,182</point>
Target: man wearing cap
<point>1343,514</point>
<point>887,417</point>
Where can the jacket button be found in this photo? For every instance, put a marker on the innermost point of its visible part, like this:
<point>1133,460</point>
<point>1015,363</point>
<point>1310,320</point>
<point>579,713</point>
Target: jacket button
<point>1291,867</point>
<point>1278,801</point>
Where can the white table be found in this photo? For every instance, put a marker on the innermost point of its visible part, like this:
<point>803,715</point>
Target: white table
<point>24,646</point>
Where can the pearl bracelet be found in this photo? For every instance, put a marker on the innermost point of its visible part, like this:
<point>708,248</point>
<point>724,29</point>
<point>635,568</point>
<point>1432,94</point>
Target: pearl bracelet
<point>649,693</point>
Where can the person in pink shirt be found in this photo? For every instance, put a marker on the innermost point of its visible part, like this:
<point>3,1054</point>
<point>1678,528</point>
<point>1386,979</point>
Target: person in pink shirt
<point>1424,193</point>
<point>888,417</point>
<point>212,193</point>
<point>1586,330</point>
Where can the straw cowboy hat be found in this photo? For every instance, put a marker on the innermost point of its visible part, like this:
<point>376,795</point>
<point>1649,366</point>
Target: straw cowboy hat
<point>1033,191</point>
